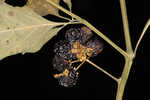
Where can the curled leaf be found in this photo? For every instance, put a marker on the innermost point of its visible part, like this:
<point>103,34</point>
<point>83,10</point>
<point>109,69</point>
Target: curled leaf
<point>22,30</point>
<point>42,7</point>
<point>68,2</point>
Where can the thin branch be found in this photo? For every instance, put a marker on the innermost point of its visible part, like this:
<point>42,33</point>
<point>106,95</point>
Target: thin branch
<point>65,18</point>
<point>73,22</point>
<point>75,61</point>
<point>142,34</point>
<point>126,26</point>
<point>124,77</point>
<point>79,65</point>
<point>96,66</point>
<point>91,27</point>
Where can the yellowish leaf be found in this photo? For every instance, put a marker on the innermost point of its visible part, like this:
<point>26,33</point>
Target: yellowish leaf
<point>22,30</point>
<point>42,7</point>
<point>68,2</point>
<point>1,1</point>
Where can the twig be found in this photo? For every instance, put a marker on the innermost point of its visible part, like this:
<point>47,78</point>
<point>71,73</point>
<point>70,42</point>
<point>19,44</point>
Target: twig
<point>142,34</point>
<point>80,65</point>
<point>96,66</point>
<point>65,18</point>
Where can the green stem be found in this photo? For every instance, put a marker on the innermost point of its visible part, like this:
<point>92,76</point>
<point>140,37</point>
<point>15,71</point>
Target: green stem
<point>99,68</point>
<point>142,34</point>
<point>79,65</point>
<point>90,26</point>
<point>126,26</point>
<point>124,77</point>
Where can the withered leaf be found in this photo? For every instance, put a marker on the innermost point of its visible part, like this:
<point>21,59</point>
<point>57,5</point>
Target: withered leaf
<point>68,2</point>
<point>22,30</point>
<point>1,1</point>
<point>42,7</point>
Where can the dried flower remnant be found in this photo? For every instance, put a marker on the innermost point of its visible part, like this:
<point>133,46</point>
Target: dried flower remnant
<point>68,78</point>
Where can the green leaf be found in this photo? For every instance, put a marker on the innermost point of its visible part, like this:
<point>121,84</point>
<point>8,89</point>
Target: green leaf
<point>68,2</point>
<point>22,30</point>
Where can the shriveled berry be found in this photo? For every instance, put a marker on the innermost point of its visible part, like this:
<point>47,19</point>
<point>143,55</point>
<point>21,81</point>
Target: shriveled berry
<point>62,49</point>
<point>60,64</point>
<point>86,34</point>
<point>73,34</point>
<point>96,46</point>
<point>80,34</point>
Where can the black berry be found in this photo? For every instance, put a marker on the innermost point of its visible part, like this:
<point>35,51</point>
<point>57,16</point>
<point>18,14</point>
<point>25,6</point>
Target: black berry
<point>70,80</point>
<point>95,45</point>
<point>62,49</point>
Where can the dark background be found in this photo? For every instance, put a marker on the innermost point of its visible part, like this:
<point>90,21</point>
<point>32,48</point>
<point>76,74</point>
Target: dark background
<point>31,74</point>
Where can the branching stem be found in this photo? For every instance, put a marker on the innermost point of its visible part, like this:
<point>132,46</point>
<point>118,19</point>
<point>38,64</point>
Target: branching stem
<point>128,54</point>
<point>128,60</point>
<point>123,79</point>
<point>126,26</point>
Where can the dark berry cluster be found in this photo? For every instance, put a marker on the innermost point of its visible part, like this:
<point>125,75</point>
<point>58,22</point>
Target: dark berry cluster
<point>78,45</point>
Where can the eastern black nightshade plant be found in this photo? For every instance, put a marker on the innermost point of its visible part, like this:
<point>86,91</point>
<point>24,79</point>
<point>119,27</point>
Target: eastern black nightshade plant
<point>22,30</point>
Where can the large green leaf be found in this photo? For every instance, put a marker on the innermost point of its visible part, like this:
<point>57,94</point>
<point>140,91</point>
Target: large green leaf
<point>22,30</point>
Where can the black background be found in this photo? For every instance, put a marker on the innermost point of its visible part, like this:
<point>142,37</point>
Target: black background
<point>31,74</point>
